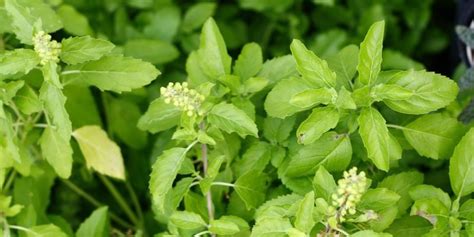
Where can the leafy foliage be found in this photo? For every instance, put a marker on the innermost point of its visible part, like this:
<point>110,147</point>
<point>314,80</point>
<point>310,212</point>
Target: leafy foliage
<point>265,120</point>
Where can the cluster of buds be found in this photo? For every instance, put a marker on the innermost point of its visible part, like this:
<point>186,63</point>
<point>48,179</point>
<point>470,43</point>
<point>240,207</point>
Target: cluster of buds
<point>47,49</point>
<point>349,192</point>
<point>178,94</point>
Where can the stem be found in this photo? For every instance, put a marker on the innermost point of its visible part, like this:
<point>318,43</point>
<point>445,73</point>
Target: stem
<point>210,208</point>
<point>119,198</point>
<point>223,184</point>
<point>135,202</point>
<point>202,233</point>
<point>6,228</point>
<point>10,180</point>
<point>94,202</point>
<point>16,227</point>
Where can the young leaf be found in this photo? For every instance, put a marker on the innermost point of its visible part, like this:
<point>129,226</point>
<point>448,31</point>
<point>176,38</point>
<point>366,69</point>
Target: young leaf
<point>53,100</point>
<point>378,199</point>
<point>249,61</point>
<point>271,226</point>
<point>304,215</point>
<point>424,191</point>
<point>160,116</point>
<point>256,157</point>
<point>96,225</point>
<point>162,52</point>
<point>214,60</point>
<point>163,173</point>
<point>344,64</point>
<point>390,92</point>
<point>27,100</point>
<point>370,54</point>
<point>26,15</point>
<point>323,184</point>
<point>432,140</point>
<point>231,119</point>
<point>278,130</point>
<point>277,103</point>
<point>223,227</point>
<point>57,151</point>
<point>318,122</point>
<point>18,61</point>
<point>333,151</point>
<point>45,231</point>
<point>82,49</point>
<point>278,68</point>
<point>251,188</point>
<point>9,150</point>
<point>313,69</point>
<point>100,153</point>
<point>462,165</point>
<point>74,22</point>
<point>375,137</point>
<point>115,73</point>
<point>312,97</point>
<point>401,183</point>
<point>430,91</point>
<point>196,15</point>
<point>187,220</point>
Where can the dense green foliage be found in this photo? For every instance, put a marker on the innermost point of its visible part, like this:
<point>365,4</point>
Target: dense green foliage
<point>162,118</point>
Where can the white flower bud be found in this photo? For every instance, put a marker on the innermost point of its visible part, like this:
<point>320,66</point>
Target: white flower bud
<point>187,100</point>
<point>48,50</point>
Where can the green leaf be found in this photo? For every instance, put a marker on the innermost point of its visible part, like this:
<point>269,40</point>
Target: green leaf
<point>431,209</point>
<point>323,184</point>
<point>318,122</point>
<point>410,226</point>
<point>125,128</point>
<point>375,137</point>
<point>432,140</point>
<point>344,64</point>
<point>163,173</point>
<point>277,103</point>
<point>57,151</point>
<point>251,188</point>
<point>213,57</point>
<point>424,191</point>
<point>81,106</point>
<point>304,215</point>
<point>430,91</point>
<point>162,52</point>
<point>256,157</point>
<point>223,227</point>
<point>271,227</point>
<point>278,68</point>
<point>27,15</point>
<point>196,15</point>
<point>313,69</point>
<point>401,183</point>
<point>312,97</point>
<point>96,225</point>
<point>278,130</point>
<point>467,210</point>
<point>115,73</point>
<point>187,220</point>
<point>53,101</point>
<point>27,100</point>
<point>74,22</point>
<point>75,50</point>
<point>249,62</point>
<point>18,61</point>
<point>231,119</point>
<point>369,233</point>
<point>45,231</point>
<point>9,150</point>
<point>160,116</point>
<point>215,164</point>
<point>461,166</point>
<point>332,150</point>
<point>390,92</point>
<point>370,54</point>
<point>378,199</point>
<point>100,153</point>
<point>254,84</point>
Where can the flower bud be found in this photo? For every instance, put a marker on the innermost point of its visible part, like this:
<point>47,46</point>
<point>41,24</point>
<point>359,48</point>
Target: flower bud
<point>48,50</point>
<point>187,100</point>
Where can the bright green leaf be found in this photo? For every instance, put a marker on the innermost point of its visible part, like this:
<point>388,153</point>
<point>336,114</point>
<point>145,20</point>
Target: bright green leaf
<point>375,137</point>
<point>82,49</point>
<point>231,119</point>
<point>318,122</point>
<point>462,165</point>
<point>370,54</point>
<point>96,225</point>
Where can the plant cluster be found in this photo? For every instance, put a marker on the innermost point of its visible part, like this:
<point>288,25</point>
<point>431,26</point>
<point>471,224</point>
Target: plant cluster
<point>93,144</point>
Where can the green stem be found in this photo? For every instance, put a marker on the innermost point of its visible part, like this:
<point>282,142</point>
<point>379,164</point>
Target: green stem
<point>136,203</point>
<point>223,184</point>
<point>94,202</point>
<point>119,198</point>
<point>209,204</point>
<point>16,227</point>
<point>202,233</point>
<point>9,181</point>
